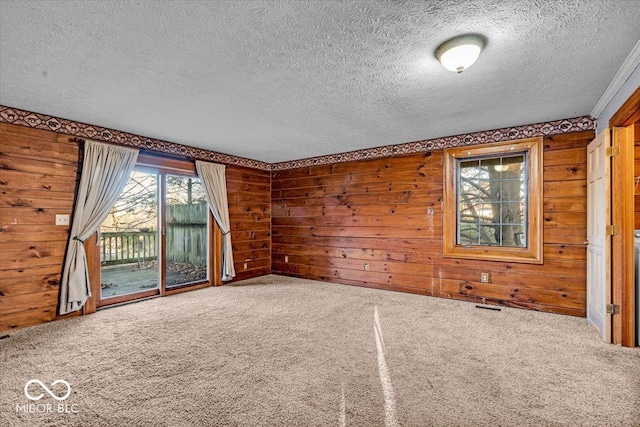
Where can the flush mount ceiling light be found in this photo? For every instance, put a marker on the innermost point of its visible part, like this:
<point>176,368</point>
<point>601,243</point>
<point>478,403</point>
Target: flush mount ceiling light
<point>459,53</point>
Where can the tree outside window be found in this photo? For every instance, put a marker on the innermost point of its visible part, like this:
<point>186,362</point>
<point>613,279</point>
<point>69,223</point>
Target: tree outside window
<point>492,201</point>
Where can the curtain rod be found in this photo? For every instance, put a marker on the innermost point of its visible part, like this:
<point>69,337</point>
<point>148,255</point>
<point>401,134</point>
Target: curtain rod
<point>152,152</point>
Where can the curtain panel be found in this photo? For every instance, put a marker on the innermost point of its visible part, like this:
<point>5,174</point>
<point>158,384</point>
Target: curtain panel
<point>215,185</point>
<point>105,172</point>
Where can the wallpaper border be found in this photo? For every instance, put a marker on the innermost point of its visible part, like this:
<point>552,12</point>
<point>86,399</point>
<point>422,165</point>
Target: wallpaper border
<point>82,130</point>
<point>556,127</point>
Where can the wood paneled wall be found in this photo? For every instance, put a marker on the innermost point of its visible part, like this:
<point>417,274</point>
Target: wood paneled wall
<point>250,216</point>
<point>38,173</point>
<point>38,177</point>
<point>329,221</point>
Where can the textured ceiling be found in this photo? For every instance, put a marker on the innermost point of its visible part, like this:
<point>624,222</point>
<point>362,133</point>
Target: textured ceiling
<point>283,80</point>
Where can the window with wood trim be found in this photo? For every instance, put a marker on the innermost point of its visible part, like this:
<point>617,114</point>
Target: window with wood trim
<point>493,201</point>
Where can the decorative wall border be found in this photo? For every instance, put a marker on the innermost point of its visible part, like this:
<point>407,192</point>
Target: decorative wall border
<point>82,130</point>
<point>555,127</point>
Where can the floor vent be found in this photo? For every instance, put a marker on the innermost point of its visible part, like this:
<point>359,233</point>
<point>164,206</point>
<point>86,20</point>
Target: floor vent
<point>489,308</point>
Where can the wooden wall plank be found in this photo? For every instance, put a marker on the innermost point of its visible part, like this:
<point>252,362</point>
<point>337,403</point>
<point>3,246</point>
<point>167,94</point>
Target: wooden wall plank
<point>25,147</point>
<point>36,166</point>
<point>570,156</point>
<point>37,181</point>
<point>565,204</point>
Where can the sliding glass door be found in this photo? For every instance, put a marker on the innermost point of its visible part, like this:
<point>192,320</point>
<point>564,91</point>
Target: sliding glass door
<point>156,237</point>
<point>129,241</point>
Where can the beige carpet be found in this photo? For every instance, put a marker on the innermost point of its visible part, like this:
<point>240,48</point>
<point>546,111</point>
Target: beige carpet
<point>288,352</point>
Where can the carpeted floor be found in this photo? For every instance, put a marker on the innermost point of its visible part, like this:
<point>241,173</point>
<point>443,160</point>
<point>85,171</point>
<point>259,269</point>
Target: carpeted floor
<point>277,351</point>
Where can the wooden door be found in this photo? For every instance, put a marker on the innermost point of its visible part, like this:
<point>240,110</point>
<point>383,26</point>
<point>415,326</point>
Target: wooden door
<point>599,241</point>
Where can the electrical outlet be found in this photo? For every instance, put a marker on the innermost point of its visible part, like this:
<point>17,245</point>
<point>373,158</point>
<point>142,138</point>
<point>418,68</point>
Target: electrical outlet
<point>366,266</point>
<point>286,258</point>
<point>484,277</point>
<point>245,265</point>
<point>62,219</point>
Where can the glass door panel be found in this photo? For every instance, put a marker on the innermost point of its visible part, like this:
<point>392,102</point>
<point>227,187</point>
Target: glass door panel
<point>186,231</point>
<point>129,244</point>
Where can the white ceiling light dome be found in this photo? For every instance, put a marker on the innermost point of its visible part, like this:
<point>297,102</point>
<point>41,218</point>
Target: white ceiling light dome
<point>459,53</point>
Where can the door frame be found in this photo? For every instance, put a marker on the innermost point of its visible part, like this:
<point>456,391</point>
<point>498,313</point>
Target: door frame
<point>623,217</point>
<point>168,165</point>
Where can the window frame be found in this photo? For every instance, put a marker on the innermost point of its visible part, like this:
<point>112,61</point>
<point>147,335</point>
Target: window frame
<point>533,252</point>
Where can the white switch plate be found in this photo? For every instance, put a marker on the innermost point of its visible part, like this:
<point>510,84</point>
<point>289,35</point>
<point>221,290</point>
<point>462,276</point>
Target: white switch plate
<point>62,219</point>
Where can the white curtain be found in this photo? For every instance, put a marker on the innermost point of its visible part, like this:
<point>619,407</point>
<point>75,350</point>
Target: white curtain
<point>105,172</point>
<point>215,185</point>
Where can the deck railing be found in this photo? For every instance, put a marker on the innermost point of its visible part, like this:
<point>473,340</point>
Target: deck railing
<point>128,247</point>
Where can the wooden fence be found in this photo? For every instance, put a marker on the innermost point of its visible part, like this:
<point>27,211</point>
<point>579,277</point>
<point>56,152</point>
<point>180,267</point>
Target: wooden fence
<point>127,247</point>
<point>186,237</point>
